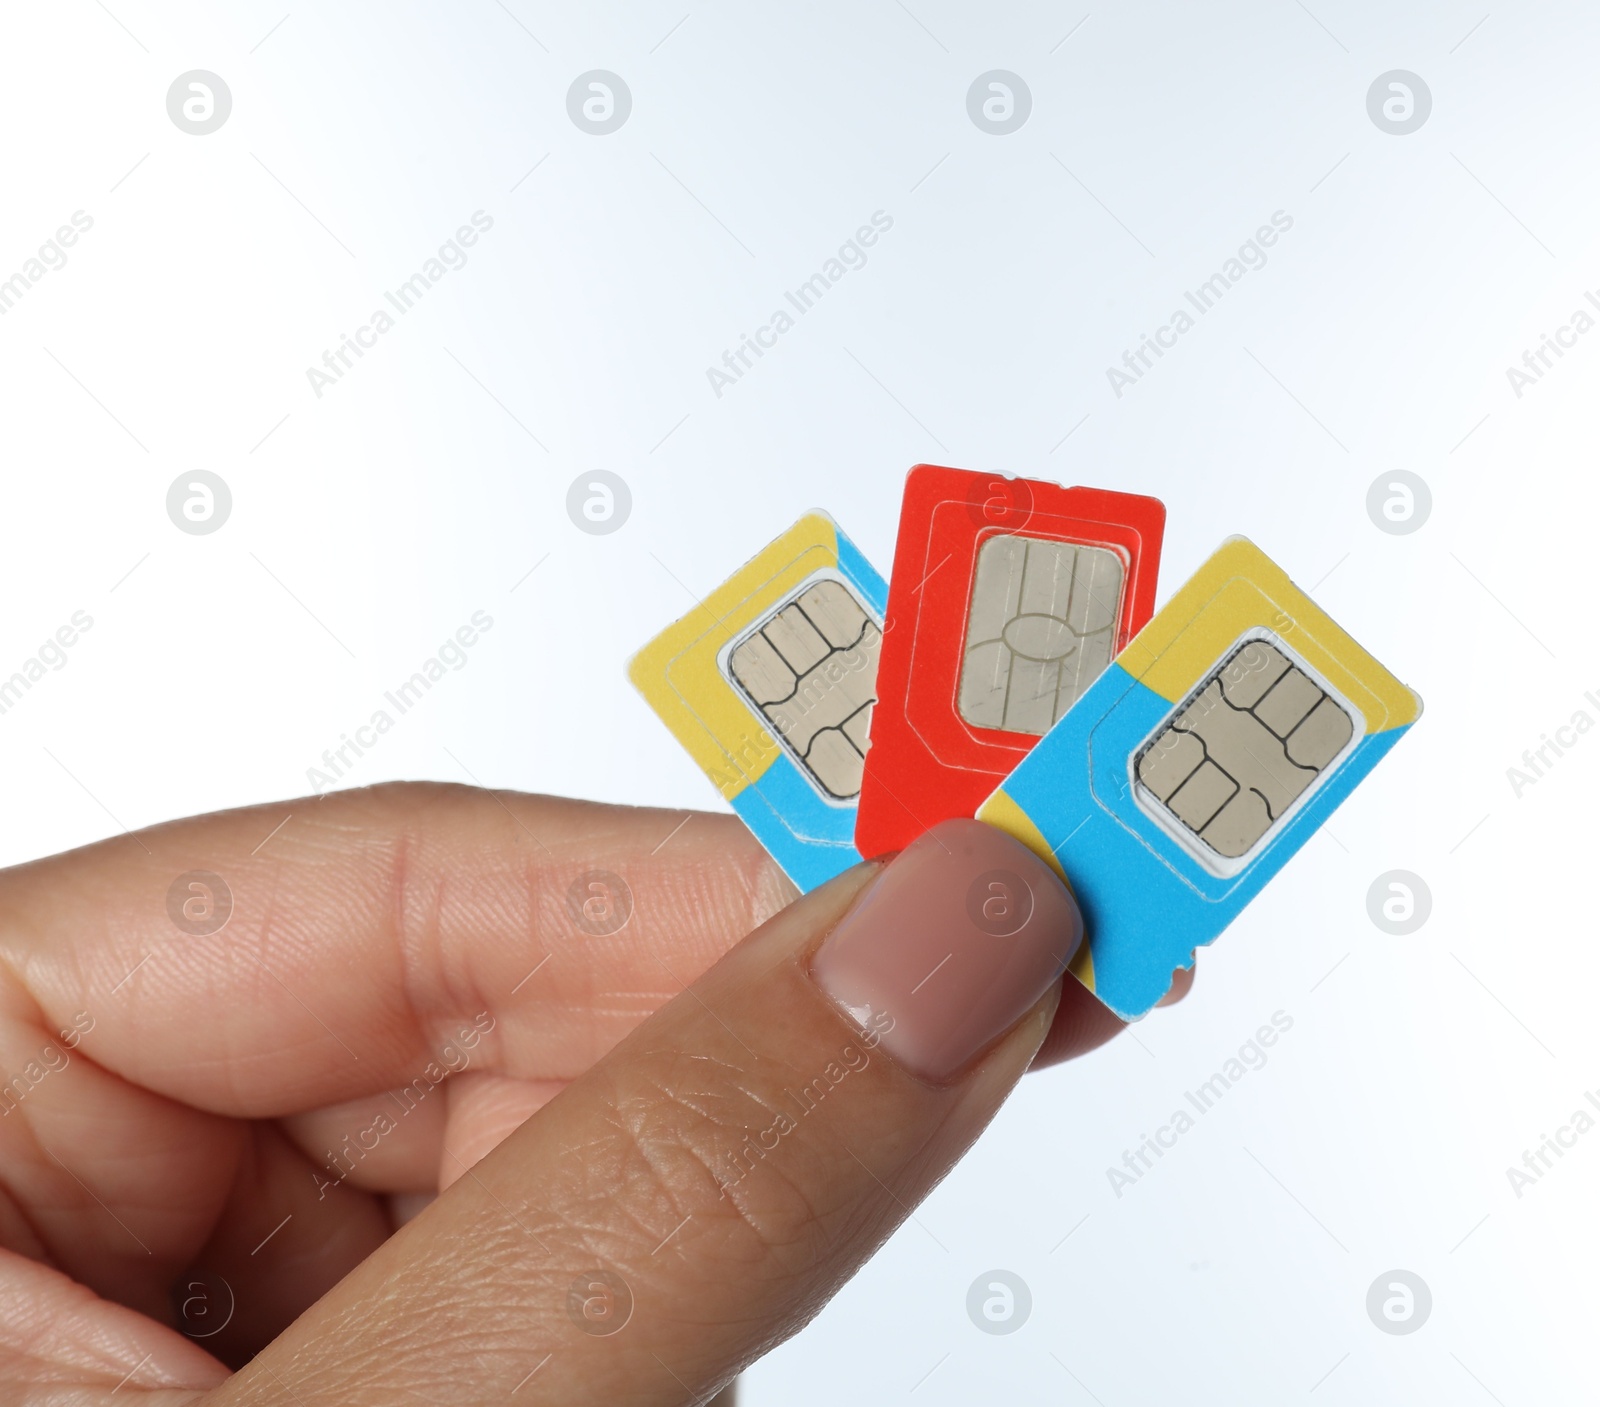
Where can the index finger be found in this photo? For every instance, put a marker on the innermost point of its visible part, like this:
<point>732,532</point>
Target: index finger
<point>278,958</point>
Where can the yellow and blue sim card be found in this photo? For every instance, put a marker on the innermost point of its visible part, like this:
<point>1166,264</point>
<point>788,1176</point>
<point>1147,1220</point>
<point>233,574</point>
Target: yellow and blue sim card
<point>1196,765</point>
<point>769,684</point>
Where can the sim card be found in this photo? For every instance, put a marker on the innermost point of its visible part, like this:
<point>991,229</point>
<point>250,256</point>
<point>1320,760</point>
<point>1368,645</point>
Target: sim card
<point>770,683</point>
<point>1009,598</point>
<point>1227,731</point>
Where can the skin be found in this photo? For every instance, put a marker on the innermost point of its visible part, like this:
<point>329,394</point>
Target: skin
<point>216,1118</point>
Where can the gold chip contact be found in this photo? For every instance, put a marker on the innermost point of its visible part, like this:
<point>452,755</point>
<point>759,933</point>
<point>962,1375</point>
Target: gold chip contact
<point>1041,628</point>
<point>811,670</point>
<point>1243,748</point>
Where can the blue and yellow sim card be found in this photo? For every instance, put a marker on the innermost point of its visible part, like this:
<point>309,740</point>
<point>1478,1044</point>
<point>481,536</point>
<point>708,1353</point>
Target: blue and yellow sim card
<point>769,685</point>
<point>1226,732</point>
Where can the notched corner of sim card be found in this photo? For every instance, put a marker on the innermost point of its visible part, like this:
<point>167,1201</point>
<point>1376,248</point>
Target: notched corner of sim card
<point>647,669</point>
<point>637,665</point>
<point>642,669</point>
<point>1165,997</point>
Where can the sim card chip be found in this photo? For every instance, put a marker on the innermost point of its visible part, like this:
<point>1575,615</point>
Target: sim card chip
<point>810,668</point>
<point>1041,628</point>
<point>1243,748</point>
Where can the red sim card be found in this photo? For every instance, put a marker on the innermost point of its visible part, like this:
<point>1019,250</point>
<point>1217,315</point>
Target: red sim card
<point>1009,597</point>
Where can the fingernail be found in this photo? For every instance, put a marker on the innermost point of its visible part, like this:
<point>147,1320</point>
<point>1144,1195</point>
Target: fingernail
<point>957,938</point>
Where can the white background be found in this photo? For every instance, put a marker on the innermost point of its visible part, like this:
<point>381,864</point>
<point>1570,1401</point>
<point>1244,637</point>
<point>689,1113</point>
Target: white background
<point>433,476</point>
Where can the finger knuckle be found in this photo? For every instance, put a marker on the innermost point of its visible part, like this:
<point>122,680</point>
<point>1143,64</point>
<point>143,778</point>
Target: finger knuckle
<point>703,1139</point>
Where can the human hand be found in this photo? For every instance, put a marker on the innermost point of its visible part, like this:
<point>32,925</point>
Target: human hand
<point>215,1132</point>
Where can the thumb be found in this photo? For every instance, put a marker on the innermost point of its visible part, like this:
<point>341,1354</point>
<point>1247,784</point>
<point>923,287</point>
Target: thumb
<point>702,1191</point>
